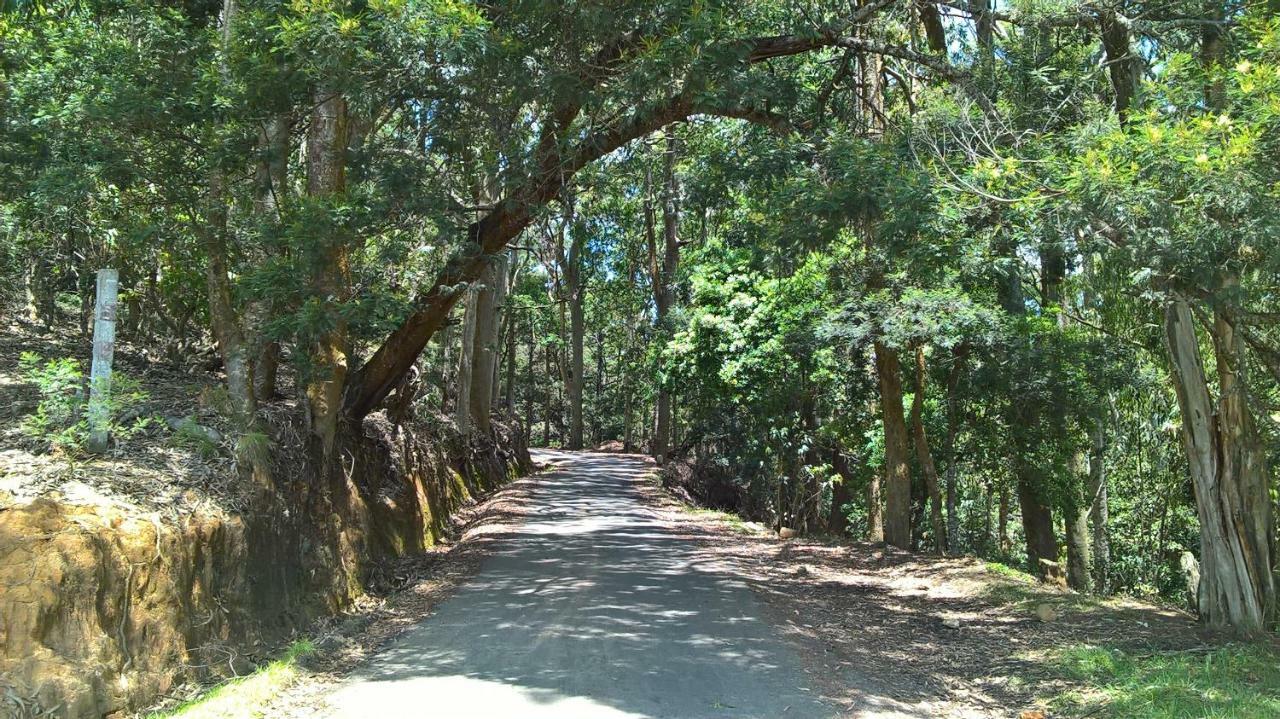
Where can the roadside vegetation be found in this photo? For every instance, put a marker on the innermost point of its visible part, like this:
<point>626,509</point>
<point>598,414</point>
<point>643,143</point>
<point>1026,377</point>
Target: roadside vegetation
<point>244,697</point>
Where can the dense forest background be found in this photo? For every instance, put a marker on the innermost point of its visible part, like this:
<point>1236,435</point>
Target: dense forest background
<point>975,277</point>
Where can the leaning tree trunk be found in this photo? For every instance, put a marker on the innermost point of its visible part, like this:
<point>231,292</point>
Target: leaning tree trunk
<point>897,473</point>
<point>1229,473</point>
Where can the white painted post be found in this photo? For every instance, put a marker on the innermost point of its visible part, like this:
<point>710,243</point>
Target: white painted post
<point>104,348</point>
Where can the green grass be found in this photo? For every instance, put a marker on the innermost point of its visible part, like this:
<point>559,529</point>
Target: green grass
<point>735,522</point>
<point>244,697</point>
<point>1005,570</point>
<point>1231,682</point>
<point>1018,590</point>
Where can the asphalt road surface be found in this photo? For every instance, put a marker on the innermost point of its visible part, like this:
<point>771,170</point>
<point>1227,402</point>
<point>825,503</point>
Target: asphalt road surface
<point>593,607</point>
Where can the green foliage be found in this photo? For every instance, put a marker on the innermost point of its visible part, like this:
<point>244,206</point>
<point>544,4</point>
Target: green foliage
<point>245,697</point>
<point>1231,682</point>
<point>59,421</point>
<point>189,434</point>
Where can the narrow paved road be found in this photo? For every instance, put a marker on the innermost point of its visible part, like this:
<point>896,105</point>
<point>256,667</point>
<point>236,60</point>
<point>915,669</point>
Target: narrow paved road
<point>593,607</point>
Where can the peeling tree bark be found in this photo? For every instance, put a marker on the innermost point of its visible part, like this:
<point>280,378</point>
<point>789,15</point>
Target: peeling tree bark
<point>1229,473</point>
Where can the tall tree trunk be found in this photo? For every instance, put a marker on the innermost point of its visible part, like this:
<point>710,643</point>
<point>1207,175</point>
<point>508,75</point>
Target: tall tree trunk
<point>546,401</point>
<point>841,494</point>
<point>577,327</point>
<point>1037,515</point>
<point>224,319</point>
<point>1099,511</point>
<point>509,399</point>
<point>327,139</point>
<point>925,457</point>
<point>598,400</point>
<point>1229,473</point>
<point>573,389</point>
<point>949,448</point>
<point>662,271</point>
<point>1075,502</point>
<point>897,472</point>
<point>529,386</point>
<point>444,377</point>
<point>484,350</point>
<point>1002,521</point>
<point>270,178</point>
<point>466,362</point>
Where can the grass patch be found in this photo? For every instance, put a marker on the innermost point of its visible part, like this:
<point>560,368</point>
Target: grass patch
<point>735,522</point>
<point>1231,682</point>
<point>1012,586</point>
<point>244,697</point>
<point>1008,572</point>
<point>1016,589</point>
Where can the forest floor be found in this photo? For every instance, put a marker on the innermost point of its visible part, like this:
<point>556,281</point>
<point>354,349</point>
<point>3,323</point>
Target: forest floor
<point>158,469</point>
<point>959,637</point>
<point>872,632</point>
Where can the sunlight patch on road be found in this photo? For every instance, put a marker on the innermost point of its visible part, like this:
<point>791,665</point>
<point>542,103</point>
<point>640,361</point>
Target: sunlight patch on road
<point>460,697</point>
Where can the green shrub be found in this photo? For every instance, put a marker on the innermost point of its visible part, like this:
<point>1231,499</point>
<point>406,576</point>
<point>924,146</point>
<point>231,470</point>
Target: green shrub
<point>60,420</point>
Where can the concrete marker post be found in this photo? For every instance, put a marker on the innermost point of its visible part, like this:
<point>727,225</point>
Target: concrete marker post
<point>104,347</point>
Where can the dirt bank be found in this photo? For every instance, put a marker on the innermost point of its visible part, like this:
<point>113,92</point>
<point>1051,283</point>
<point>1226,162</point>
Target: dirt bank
<point>106,604</point>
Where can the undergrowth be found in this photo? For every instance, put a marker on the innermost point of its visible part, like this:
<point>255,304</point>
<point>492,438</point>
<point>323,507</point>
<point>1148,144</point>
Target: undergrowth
<point>1236,681</point>
<point>244,697</point>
